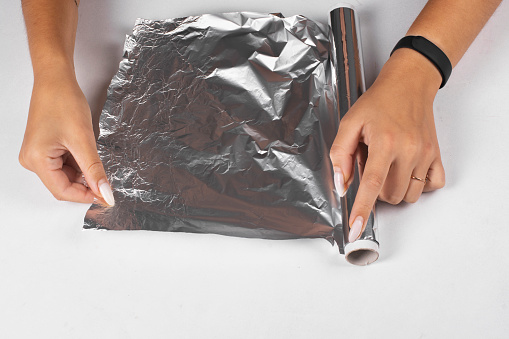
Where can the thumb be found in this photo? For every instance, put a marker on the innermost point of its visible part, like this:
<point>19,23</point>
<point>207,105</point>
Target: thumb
<point>85,153</point>
<point>343,152</point>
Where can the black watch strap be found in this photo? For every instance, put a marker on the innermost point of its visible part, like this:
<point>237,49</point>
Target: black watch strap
<point>430,51</point>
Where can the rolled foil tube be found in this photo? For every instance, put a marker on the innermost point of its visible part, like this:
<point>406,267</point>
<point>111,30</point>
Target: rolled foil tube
<point>350,84</point>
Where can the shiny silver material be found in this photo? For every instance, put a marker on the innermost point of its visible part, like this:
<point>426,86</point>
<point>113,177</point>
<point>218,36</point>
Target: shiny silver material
<point>223,124</point>
<point>347,63</point>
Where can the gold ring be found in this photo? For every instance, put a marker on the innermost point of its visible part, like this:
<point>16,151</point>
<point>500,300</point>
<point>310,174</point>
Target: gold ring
<point>421,180</point>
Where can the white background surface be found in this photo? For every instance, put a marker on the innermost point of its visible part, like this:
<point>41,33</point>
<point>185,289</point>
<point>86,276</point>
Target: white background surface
<point>444,265</point>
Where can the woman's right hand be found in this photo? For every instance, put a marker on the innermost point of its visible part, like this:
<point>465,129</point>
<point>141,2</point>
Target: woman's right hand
<point>59,143</point>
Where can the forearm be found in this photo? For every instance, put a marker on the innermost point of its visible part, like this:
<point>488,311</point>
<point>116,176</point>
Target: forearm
<point>51,30</point>
<point>452,25</point>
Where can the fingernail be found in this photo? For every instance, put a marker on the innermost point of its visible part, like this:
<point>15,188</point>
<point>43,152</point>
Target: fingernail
<point>339,182</point>
<point>355,230</point>
<point>106,192</point>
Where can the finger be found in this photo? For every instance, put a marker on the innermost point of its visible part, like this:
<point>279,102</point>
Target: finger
<point>376,169</point>
<point>397,182</point>
<point>342,154</point>
<point>78,177</point>
<point>85,153</point>
<point>57,182</point>
<point>416,187</point>
<point>436,176</point>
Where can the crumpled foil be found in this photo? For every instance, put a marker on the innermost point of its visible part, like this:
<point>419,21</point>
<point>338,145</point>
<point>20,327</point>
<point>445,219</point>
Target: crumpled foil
<point>223,124</point>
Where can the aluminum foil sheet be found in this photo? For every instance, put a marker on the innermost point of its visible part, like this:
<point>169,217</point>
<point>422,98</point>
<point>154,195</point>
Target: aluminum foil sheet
<point>223,124</point>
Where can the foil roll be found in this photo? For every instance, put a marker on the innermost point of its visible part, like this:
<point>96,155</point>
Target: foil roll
<point>350,84</point>
<point>223,123</point>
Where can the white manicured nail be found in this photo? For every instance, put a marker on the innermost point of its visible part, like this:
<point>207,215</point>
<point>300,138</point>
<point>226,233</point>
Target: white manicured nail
<point>339,183</point>
<point>107,194</point>
<point>355,230</point>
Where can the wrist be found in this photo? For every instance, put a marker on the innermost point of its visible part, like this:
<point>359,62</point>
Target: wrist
<point>55,68</point>
<point>414,70</point>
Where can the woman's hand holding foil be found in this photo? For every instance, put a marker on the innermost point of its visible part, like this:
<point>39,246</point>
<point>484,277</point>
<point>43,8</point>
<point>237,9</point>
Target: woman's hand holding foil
<point>391,127</point>
<point>59,144</point>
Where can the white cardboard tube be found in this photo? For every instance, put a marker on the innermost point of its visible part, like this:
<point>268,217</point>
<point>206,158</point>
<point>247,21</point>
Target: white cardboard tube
<point>361,252</point>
